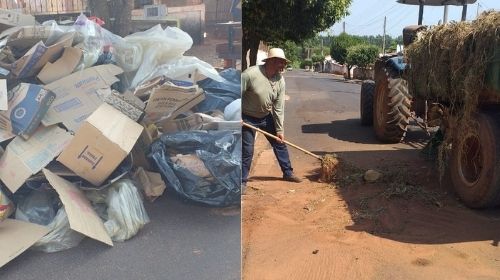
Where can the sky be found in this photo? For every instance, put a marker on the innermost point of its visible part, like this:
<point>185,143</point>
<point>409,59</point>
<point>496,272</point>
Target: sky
<point>367,16</point>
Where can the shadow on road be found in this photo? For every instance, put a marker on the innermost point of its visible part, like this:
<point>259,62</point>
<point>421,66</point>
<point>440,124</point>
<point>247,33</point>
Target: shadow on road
<point>343,130</point>
<point>264,178</point>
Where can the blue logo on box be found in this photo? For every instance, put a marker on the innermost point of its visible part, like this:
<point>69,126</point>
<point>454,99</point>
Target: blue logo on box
<point>27,114</point>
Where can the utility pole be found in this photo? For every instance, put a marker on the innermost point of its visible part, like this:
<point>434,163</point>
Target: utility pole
<point>322,46</point>
<point>445,15</point>
<point>477,11</point>
<point>383,39</point>
<point>343,27</point>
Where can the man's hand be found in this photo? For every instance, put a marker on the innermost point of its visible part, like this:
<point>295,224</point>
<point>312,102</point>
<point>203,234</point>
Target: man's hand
<point>281,136</point>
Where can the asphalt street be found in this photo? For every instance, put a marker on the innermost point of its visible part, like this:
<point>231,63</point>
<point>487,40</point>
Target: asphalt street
<point>182,241</point>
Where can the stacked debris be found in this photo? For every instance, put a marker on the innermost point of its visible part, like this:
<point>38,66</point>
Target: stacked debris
<point>449,62</point>
<point>91,122</point>
<point>457,65</point>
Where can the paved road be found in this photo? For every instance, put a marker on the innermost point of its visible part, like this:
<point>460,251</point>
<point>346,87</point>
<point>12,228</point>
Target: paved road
<point>182,241</point>
<point>323,116</point>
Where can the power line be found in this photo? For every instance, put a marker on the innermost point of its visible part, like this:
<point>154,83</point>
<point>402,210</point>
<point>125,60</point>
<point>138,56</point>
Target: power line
<point>375,18</point>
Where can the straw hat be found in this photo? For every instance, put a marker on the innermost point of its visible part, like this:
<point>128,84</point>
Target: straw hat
<point>277,53</point>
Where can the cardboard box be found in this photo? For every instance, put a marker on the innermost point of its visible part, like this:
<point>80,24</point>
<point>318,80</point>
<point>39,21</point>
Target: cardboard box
<point>126,103</point>
<point>16,237</point>
<point>4,97</point>
<point>76,95</point>
<point>171,100</point>
<point>81,215</point>
<point>27,36</point>
<point>39,55</point>
<point>144,90</point>
<point>141,147</point>
<point>9,18</point>
<point>151,182</point>
<point>100,144</point>
<point>23,158</point>
<point>27,106</point>
<point>6,135</point>
<point>62,67</point>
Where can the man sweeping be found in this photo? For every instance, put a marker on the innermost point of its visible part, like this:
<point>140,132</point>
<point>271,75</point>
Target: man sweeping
<point>263,106</point>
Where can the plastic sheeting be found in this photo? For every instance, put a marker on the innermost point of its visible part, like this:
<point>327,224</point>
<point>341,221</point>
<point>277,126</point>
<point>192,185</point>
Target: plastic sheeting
<point>219,94</point>
<point>60,237</point>
<point>201,166</point>
<point>142,55</point>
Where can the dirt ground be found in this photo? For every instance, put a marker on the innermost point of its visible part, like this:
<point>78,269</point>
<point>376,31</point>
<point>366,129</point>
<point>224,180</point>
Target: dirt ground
<point>406,225</point>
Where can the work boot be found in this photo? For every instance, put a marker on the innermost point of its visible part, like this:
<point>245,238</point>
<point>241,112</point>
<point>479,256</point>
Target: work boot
<point>292,178</point>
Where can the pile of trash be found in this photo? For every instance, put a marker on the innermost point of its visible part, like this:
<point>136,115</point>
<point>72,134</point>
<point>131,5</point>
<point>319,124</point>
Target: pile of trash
<point>90,123</point>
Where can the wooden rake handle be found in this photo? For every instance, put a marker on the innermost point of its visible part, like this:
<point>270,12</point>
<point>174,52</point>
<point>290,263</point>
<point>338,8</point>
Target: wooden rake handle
<point>284,141</point>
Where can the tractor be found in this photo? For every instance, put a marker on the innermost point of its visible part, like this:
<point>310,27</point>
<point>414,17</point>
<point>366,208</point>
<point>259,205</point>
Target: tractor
<point>389,104</point>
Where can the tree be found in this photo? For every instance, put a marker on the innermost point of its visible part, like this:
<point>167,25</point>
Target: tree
<point>293,52</point>
<point>362,55</point>
<point>276,21</point>
<point>339,46</point>
<point>116,13</point>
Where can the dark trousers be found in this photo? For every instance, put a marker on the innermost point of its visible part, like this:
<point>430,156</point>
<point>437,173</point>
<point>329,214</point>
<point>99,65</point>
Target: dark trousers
<point>248,139</point>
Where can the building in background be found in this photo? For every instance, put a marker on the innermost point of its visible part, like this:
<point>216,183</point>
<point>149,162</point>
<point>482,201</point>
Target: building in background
<point>189,15</point>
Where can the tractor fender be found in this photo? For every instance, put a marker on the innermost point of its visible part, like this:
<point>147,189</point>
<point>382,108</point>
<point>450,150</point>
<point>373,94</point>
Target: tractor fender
<point>396,64</point>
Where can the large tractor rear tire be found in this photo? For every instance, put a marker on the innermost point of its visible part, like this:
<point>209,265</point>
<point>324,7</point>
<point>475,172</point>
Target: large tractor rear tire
<point>366,102</point>
<point>392,107</point>
<point>474,165</point>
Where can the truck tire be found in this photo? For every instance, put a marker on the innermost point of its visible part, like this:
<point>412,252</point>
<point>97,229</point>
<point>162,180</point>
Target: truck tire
<point>474,165</point>
<point>392,107</point>
<point>366,102</point>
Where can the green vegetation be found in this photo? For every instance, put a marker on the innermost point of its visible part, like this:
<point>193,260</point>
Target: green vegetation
<point>315,49</point>
<point>278,21</point>
<point>362,55</point>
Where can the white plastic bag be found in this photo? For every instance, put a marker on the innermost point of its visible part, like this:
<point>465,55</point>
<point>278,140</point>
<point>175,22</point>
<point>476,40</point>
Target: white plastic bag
<point>232,112</point>
<point>126,212</point>
<point>179,68</point>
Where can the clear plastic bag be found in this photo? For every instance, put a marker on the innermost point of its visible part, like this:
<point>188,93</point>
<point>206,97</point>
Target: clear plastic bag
<point>126,212</point>
<point>210,169</point>
<point>40,206</point>
<point>60,237</point>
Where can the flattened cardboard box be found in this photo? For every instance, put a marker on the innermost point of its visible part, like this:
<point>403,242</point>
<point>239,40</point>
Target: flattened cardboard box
<point>126,103</point>
<point>16,237</point>
<point>27,106</point>
<point>27,36</point>
<point>142,146</point>
<point>39,55</point>
<point>100,144</point>
<point>4,99</point>
<point>170,100</point>
<point>61,67</point>
<point>76,95</point>
<point>12,18</point>
<point>81,215</point>
<point>23,158</point>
